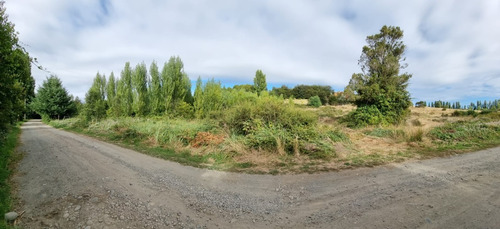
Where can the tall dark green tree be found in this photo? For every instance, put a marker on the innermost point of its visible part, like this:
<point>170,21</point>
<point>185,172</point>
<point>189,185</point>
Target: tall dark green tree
<point>52,100</point>
<point>381,89</point>
<point>259,82</point>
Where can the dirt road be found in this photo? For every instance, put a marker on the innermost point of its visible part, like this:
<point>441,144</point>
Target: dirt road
<point>71,181</point>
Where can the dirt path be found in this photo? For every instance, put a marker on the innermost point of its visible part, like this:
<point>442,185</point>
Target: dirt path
<point>71,181</point>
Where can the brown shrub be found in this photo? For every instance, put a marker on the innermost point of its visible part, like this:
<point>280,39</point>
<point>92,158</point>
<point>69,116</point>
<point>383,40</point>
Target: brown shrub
<point>206,139</point>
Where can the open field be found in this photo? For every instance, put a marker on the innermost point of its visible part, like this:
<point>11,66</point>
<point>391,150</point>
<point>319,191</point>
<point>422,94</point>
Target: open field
<point>205,143</point>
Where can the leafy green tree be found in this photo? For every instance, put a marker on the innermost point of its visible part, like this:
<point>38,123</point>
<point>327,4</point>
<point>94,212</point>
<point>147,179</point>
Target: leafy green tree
<point>95,99</point>
<point>259,82</point>
<point>381,86</point>
<point>157,98</point>
<point>17,86</point>
<point>52,100</point>
<point>140,89</point>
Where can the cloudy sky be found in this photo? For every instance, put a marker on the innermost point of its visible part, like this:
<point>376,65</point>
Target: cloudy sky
<point>453,47</point>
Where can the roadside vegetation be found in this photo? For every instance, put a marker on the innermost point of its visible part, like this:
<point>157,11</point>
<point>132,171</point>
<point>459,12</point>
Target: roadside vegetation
<point>17,89</point>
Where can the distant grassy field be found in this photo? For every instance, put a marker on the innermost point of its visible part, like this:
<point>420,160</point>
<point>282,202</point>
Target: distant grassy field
<point>428,132</point>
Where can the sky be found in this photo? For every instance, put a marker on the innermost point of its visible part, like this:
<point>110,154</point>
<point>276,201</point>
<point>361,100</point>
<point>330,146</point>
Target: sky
<point>453,47</point>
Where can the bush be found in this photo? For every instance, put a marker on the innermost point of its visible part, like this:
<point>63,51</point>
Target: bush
<point>271,124</point>
<point>314,101</point>
<point>365,115</point>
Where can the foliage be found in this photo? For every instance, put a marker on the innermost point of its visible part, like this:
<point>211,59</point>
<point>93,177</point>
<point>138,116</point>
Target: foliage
<point>175,83</point>
<point>156,90</point>
<point>17,86</point>
<point>365,115</point>
<point>259,82</point>
<point>380,87</point>
<point>95,99</point>
<point>52,100</point>
<point>314,101</point>
<point>140,90</point>
<point>124,92</point>
<point>244,87</point>
<point>208,98</point>
<point>325,93</point>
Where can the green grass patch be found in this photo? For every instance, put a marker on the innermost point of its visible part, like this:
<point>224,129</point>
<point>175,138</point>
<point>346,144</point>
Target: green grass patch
<point>8,159</point>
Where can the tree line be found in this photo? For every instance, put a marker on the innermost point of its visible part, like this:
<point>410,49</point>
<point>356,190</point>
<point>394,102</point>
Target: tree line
<point>479,105</point>
<point>142,92</point>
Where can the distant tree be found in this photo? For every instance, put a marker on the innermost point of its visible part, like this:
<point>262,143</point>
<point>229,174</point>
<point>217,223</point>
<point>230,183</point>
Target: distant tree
<point>308,91</point>
<point>140,90</point>
<point>282,91</point>
<point>95,99</point>
<point>381,88</point>
<point>157,98</point>
<point>259,82</point>
<point>52,100</point>
<point>420,104</point>
<point>245,87</point>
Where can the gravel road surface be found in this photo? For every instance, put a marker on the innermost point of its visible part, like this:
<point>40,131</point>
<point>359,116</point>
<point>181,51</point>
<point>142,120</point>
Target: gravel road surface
<point>71,181</point>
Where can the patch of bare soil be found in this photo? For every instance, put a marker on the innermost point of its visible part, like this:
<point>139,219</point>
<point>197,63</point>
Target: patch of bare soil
<point>70,181</point>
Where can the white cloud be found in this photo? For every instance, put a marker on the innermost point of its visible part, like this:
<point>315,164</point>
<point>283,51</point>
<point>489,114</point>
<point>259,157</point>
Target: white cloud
<point>452,46</point>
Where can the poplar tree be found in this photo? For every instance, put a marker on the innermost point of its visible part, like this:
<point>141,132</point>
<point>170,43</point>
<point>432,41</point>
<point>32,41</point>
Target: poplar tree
<point>140,89</point>
<point>157,98</point>
<point>126,90</point>
<point>95,99</point>
<point>259,82</point>
<point>174,83</point>
<point>111,95</point>
<point>198,99</point>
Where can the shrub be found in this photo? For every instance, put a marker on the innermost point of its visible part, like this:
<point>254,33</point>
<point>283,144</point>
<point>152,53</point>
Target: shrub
<point>464,131</point>
<point>365,115</point>
<point>314,101</point>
